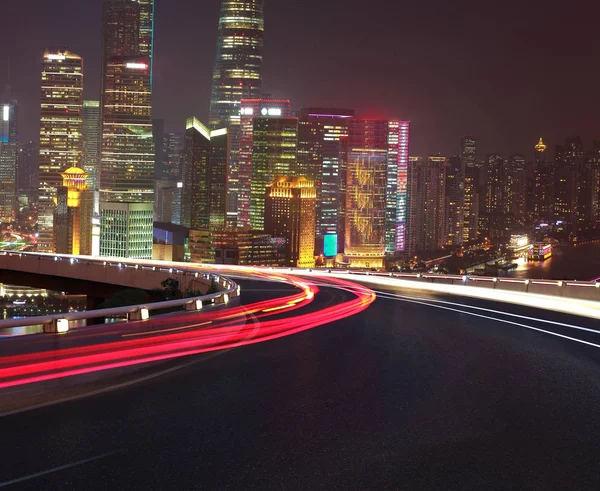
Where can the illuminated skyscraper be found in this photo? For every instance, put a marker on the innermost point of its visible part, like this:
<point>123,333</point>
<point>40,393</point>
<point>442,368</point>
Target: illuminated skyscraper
<point>127,146</point>
<point>543,184</point>
<point>60,132</point>
<point>8,160</point>
<point>568,177</point>
<point>290,213</point>
<point>91,141</point>
<point>240,173</point>
<point>127,165</point>
<point>146,35</point>
<point>236,76</point>
<point>274,153</point>
<point>471,179</point>
<point>321,157</point>
<point>427,211</point>
<point>121,29</point>
<point>237,72</point>
<point>205,176</point>
<point>28,169</point>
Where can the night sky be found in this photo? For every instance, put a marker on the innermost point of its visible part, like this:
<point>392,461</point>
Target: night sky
<point>505,74</point>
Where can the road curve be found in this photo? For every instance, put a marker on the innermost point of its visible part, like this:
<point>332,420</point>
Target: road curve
<point>419,391</point>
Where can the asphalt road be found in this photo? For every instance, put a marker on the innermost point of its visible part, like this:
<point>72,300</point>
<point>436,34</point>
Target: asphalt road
<point>402,396</point>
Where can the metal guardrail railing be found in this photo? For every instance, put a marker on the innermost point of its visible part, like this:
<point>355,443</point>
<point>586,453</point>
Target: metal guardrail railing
<point>60,322</point>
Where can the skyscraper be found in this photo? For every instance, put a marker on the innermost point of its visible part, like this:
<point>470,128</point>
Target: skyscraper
<point>366,193</point>
<point>121,29</point>
<point>542,207</point>
<point>471,178</point>
<point>91,135</point>
<point>60,131</point>
<point>454,202</point>
<point>236,76</point>
<point>427,210</point>
<point>517,186</point>
<point>28,169</point>
<point>290,213</point>
<point>568,164</point>
<point>240,173</point>
<point>321,157</point>
<point>205,176</point>
<point>8,160</point>
<point>495,190</point>
<point>127,165</point>
<point>274,153</point>
<point>146,35</point>
<point>237,72</point>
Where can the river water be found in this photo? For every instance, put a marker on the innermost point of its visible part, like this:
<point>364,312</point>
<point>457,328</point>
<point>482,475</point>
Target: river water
<point>580,262</point>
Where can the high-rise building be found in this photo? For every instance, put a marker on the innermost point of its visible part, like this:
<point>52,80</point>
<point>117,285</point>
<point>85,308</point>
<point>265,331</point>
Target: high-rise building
<point>173,145</point>
<point>125,229</point>
<point>402,200</point>
<point>76,222</point>
<point>127,163</point>
<point>205,176</point>
<point>274,153</point>
<point>236,76</point>
<point>568,171</point>
<point>366,193</point>
<point>237,72</point>
<point>321,157</point>
<point>427,192</point>
<point>28,169</point>
<point>290,205</point>
<point>495,197</point>
<point>146,35</point>
<point>542,207</point>
<point>593,161</point>
<point>127,166</point>
<point>91,137</point>
<point>454,202</point>
<point>468,151</point>
<point>121,29</point>
<point>240,172</point>
<point>160,152</point>
<point>517,186</point>
<point>60,132</point>
<point>8,160</point>
<point>471,193</point>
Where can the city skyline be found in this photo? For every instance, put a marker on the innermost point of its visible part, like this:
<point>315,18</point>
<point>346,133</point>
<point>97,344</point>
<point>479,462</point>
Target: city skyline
<point>518,110</point>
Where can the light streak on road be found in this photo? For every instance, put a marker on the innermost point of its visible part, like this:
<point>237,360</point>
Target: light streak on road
<point>38,367</point>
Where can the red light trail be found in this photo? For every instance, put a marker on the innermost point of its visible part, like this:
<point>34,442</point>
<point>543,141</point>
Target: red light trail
<point>227,330</point>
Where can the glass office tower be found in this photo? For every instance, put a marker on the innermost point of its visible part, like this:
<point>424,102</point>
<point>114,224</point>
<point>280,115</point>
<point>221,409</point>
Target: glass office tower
<point>60,132</point>
<point>274,153</point>
<point>91,141</point>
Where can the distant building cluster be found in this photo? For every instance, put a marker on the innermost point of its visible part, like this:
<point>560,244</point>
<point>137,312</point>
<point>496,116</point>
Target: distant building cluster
<point>259,183</point>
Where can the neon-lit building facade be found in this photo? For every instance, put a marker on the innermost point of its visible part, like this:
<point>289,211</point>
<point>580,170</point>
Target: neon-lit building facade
<point>60,132</point>
<point>8,160</point>
<point>290,205</point>
<point>399,139</point>
<point>366,193</point>
<point>274,153</point>
<point>240,174</point>
<point>321,157</point>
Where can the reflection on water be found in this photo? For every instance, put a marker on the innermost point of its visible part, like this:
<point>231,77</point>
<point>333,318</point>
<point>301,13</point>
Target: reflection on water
<point>580,262</point>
